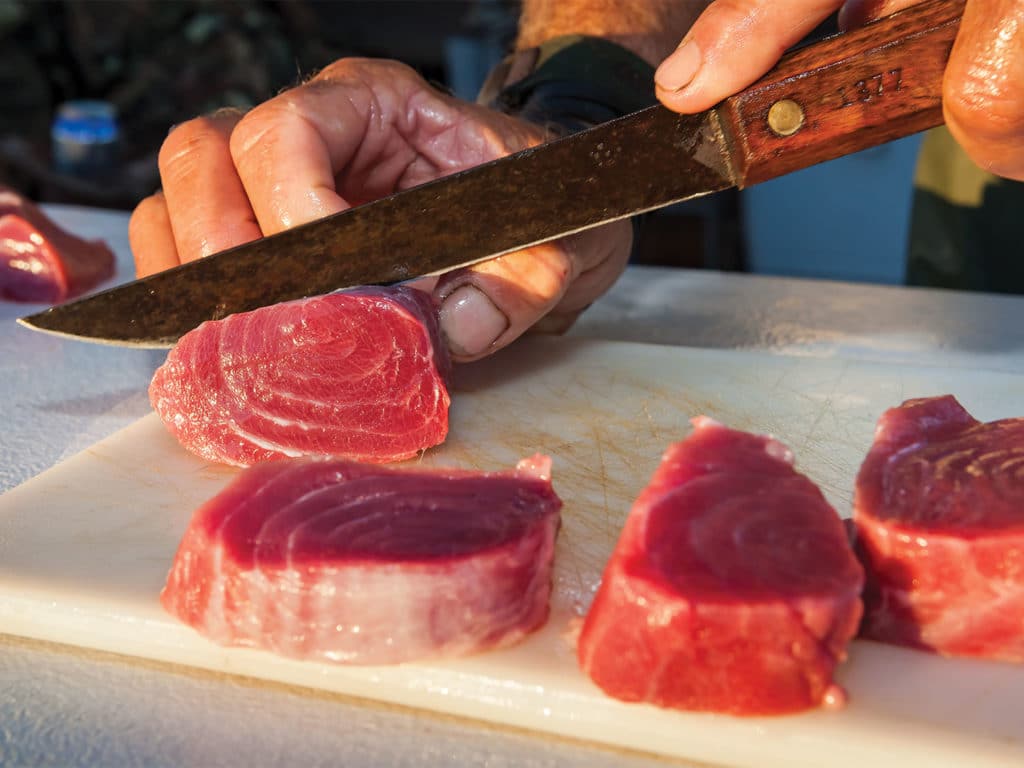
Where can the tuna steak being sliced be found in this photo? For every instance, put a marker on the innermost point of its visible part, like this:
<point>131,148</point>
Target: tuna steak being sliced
<point>360,375</point>
<point>39,261</point>
<point>350,563</point>
<point>733,587</point>
<point>939,512</point>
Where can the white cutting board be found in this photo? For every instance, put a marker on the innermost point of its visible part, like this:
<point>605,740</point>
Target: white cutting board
<point>85,547</point>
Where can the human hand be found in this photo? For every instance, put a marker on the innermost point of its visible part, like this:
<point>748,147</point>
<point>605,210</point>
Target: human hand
<point>734,42</point>
<point>360,130</point>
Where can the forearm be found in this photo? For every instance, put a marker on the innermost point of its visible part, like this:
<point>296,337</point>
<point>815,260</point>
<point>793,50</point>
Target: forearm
<point>650,28</point>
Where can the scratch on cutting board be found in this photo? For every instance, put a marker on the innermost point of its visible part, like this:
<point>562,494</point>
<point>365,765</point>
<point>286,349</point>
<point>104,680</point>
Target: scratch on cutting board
<point>776,386</point>
<point>826,406</point>
<point>599,446</point>
<point>595,385</point>
<point>603,480</point>
<point>655,430</point>
<point>822,447</point>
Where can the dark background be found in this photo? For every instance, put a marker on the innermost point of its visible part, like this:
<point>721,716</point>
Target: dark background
<point>160,62</point>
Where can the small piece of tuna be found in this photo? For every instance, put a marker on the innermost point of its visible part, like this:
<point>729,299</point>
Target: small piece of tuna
<point>42,263</point>
<point>359,375</point>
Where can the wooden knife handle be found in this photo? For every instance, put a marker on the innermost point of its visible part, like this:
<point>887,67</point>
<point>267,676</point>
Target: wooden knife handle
<point>844,94</point>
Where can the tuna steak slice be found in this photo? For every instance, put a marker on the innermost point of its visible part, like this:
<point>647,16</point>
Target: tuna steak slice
<point>39,261</point>
<point>733,587</point>
<point>336,561</point>
<point>939,513</point>
<point>359,375</point>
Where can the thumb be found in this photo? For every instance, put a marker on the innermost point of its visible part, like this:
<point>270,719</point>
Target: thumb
<point>983,92</point>
<point>485,307</point>
<point>731,45</point>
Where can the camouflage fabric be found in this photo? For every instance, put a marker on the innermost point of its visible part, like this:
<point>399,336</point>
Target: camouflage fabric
<point>967,225</point>
<point>575,82</point>
<point>159,62</point>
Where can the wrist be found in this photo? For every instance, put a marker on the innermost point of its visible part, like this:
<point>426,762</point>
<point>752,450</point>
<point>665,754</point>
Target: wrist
<point>570,83</point>
<point>651,29</point>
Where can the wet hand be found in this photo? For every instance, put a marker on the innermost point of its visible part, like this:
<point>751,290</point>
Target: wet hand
<point>734,42</point>
<point>360,130</point>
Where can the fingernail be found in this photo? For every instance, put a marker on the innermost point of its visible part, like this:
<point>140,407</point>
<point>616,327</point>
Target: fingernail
<point>470,321</point>
<point>678,70</point>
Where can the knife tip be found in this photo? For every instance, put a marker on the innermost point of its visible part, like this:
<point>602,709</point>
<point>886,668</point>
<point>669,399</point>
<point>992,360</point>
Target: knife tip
<point>31,321</point>
<point>41,322</point>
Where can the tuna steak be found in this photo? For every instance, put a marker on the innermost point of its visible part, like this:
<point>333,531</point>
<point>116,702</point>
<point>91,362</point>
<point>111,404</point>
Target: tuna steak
<point>359,375</point>
<point>733,587</point>
<point>336,561</point>
<point>939,513</point>
<point>39,261</point>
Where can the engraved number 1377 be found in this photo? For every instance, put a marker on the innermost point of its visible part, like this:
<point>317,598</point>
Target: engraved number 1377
<point>871,88</point>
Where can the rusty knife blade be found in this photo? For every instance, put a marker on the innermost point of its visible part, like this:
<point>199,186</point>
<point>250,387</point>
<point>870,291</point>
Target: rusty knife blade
<point>843,94</point>
<point>634,164</point>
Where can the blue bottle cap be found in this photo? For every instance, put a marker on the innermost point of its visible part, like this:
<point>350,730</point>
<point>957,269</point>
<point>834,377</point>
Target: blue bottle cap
<point>85,122</point>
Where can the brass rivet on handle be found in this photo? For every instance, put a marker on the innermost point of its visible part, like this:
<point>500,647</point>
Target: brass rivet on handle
<point>785,117</point>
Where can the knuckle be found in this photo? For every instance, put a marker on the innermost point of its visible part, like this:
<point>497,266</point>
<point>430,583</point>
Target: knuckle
<point>342,69</point>
<point>187,141</point>
<point>145,212</point>
<point>356,68</point>
<point>143,225</point>
<point>988,123</point>
<point>730,12</point>
<point>259,127</point>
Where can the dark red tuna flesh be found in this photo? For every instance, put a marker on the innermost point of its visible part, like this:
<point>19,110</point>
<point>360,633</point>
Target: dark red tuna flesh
<point>39,261</point>
<point>359,375</point>
<point>939,512</point>
<point>351,563</point>
<point>732,589</point>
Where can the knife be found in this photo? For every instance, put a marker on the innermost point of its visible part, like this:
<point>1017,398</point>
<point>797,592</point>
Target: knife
<point>828,99</point>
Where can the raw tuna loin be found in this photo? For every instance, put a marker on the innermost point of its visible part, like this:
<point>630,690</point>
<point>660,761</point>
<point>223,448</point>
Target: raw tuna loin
<point>939,513</point>
<point>39,261</point>
<point>350,563</point>
<point>733,587</point>
<point>360,375</point>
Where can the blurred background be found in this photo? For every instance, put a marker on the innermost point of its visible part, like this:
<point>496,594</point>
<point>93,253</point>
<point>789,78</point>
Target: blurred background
<point>155,63</point>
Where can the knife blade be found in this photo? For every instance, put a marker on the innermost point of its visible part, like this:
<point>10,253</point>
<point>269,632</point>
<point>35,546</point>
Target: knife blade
<point>829,99</point>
